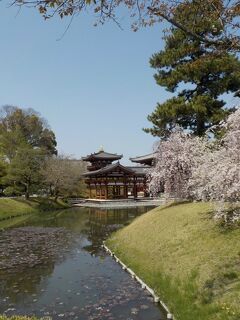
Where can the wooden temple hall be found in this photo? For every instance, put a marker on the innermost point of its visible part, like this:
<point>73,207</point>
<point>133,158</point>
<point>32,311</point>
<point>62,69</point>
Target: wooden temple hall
<point>108,179</point>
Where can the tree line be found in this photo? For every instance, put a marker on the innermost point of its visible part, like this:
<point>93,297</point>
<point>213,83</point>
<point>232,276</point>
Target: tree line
<point>29,162</point>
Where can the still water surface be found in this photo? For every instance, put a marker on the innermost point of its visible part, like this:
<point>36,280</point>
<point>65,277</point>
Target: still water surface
<point>80,281</point>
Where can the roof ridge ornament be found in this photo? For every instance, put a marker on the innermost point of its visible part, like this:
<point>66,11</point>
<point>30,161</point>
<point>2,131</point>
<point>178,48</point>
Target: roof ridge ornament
<point>101,149</point>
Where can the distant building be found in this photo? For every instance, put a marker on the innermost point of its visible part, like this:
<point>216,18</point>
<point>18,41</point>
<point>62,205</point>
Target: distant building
<point>108,179</point>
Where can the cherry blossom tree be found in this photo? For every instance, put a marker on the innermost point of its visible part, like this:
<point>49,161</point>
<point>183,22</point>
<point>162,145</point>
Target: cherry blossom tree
<point>217,177</point>
<point>177,158</point>
<point>189,167</point>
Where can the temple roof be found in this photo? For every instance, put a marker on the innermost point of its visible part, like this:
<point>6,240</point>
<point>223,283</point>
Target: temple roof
<point>145,158</point>
<point>109,168</point>
<point>140,170</point>
<point>102,155</point>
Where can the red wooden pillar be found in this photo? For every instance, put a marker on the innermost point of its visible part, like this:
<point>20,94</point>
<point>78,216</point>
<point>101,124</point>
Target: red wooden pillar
<point>125,188</point>
<point>106,191</point>
<point>145,187</point>
<point>100,190</point>
<point>95,189</point>
<point>134,187</point>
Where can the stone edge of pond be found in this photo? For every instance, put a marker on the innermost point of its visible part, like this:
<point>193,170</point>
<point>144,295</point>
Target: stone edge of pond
<point>118,205</point>
<point>156,298</point>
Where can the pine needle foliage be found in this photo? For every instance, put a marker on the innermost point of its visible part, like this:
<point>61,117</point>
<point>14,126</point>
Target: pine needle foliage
<point>197,73</point>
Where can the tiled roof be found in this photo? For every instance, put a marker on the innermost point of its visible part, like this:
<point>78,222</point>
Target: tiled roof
<point>141,170</point>
<point>146,157</point>
<point>101,155</point>
<point>109,168</point>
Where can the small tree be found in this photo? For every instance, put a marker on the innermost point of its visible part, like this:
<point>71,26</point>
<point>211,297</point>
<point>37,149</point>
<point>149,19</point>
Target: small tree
<point>62,175</point>
<point>24,170</point>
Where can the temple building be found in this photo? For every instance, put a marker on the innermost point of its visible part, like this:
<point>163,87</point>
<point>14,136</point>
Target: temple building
<point>107,178</point>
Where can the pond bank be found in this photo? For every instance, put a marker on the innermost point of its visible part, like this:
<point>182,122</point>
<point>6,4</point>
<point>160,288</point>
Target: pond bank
<point>189,261</point>
<point>20,209</point>
<point>143,285</point>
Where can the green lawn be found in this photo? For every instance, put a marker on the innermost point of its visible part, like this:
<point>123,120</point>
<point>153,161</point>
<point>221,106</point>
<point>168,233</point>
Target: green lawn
<point>12,208</point>
<point>190,261</point>
<point>19,207</point>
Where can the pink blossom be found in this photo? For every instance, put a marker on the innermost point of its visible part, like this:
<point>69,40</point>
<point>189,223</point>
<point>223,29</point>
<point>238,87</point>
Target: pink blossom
<point>190,167</point>
<point>176,158</point>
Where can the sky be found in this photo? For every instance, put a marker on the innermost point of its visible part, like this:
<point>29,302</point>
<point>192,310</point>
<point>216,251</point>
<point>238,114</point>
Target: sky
<point>94,86</point>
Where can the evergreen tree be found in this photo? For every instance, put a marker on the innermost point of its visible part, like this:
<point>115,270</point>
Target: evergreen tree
<point>24,128</point>
<point>26,142</point>
<point>198,73</point>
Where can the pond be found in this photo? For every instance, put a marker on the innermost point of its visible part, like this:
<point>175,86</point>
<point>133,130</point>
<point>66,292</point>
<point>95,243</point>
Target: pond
<point>53,266</point>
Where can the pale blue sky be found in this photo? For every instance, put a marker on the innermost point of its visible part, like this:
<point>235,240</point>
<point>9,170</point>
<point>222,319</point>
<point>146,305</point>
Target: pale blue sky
<point>95,86</point>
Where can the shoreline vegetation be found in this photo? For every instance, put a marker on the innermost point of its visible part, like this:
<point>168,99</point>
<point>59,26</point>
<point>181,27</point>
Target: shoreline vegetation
<point>16,210</point>
<point>187,258</point>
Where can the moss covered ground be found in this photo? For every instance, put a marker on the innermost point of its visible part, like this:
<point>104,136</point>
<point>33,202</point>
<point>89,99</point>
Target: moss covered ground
<point>187,258</point>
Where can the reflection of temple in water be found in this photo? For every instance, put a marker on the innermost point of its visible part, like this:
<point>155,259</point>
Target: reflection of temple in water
<point>108,180</point>
<point>73,283</point>
<point>102,222</point>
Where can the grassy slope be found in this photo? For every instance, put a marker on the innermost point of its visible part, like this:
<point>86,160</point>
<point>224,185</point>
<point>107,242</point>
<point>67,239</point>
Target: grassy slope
<point>17,207</point>
<point>17,318</point>
<point>191,262</point>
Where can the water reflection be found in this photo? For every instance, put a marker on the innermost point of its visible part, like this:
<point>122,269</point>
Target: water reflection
<point>101,223</point>
<point>80,281</point>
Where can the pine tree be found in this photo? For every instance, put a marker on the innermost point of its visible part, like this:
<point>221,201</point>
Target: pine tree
<point>198,73</point>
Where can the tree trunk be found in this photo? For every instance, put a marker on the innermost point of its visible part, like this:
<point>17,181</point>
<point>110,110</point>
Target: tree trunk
<point>200,124</point>
<point>51,192</point>
<point>27,191</point>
